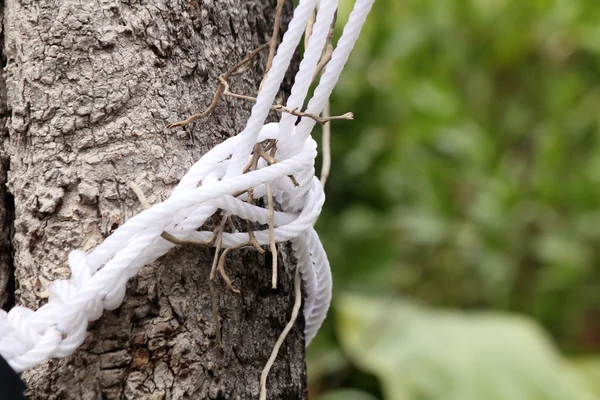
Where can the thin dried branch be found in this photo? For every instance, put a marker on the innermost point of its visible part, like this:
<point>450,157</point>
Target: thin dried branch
<point>272,244</point>
<point>183,242</point>
<point>220,88</point>
<point>272,143</point>
<point>203,114</point>
<point>286,330</point>
<point>268,158</point>
<point>272,149</point>
<point>326,167</point>
<point>221,265</point>
<point>271,160</point>
<point>215,312</point>
<point>243,70</point>
<point>273,41</point>
<point>250,228</point>
<point>253,162</point>
<point>257,153</point>
<point>294,181</point>
<point>218,244</point>
<point>294,111</point>
<point>231,225</point>
<point>252,238</point>
<point>213,295</point>
<point>246,60</point>
<point>348,116</point>
<point>328,50</point>
<point>216,240</point>
<point>227,92</point>
<point>309,27</point>
<point>253,166</point>
<point>275,36</point>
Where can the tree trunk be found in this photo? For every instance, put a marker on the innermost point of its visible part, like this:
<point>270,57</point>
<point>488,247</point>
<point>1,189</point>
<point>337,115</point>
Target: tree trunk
<point>89,88</point>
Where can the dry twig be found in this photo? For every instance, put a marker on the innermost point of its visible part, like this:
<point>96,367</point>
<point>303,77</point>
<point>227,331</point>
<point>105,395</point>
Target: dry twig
<point>309,27</point>
<point>325,168</point>
<point>328,50</point>
<point>215,312</point>
<point>216,239</point>
<point>281,108</point>
<point>250,228</point>
<point>320,120</point>
<point>213,294</point>
<point>272,244</point>
<point>221,265</point>
<point>273,41</point>
<point>286,330</point>
<point>220,88</point>
<point>270,145</point>
<point>252,166</point>
<point>326,114</point>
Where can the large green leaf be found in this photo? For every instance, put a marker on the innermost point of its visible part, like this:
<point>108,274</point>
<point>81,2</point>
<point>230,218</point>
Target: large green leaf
<point>425,354</point>
<point>346,394</point>
<point>589,370</point>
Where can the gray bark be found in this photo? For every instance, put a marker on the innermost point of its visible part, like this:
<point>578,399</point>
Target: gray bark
<point>90,86</point>
<point>6,200</point>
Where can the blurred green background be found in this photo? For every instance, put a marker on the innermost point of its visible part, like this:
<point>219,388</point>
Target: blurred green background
<point>462,219</point>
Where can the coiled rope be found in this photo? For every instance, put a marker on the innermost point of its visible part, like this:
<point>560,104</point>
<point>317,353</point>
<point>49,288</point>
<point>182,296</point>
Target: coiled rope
<point>98,280</point>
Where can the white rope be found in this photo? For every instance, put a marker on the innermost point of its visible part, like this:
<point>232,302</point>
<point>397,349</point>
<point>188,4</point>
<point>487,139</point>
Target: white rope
<point>98,280</point>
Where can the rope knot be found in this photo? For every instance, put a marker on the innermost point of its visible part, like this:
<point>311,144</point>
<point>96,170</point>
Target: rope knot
<point>218,181</point>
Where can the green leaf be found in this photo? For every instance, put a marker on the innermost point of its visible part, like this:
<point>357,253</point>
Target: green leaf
<point>346,394</point>
<point>588,369</point>
<point>425,354</point>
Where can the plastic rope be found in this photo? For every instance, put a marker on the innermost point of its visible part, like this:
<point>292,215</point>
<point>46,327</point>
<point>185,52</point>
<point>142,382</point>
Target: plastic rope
<point>98,280</point>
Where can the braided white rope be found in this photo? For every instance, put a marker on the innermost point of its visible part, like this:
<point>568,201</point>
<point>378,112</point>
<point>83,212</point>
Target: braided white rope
<point>98,280</point>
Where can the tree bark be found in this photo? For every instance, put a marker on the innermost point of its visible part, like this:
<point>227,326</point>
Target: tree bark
<point>89,88</point>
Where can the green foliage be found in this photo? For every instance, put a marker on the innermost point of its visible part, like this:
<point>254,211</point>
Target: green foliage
<point>419,353</point>
<point>470,177</point>
<point>347,394</point>
<point>589,371</point>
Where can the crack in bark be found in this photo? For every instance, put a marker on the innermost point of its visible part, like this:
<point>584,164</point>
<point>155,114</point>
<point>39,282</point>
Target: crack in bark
<point>7,202</point>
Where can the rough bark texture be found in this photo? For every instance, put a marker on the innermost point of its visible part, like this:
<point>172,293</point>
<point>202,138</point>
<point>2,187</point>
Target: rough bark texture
<point>6,200</point>
<point>90,86</point>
